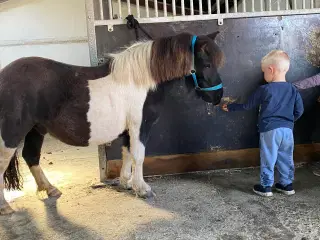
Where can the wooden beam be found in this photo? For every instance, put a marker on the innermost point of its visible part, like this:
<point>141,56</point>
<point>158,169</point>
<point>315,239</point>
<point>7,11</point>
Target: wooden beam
<point>174,164</point>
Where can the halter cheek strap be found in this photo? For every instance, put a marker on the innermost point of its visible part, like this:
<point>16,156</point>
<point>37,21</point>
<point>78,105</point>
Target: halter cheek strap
<point>193,71</point>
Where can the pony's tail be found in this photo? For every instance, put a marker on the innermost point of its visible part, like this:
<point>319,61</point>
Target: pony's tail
<point>12,177</point>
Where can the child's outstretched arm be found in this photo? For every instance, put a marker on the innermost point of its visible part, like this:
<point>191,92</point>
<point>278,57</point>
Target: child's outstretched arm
<point>298,107</point>
<point>253,101</point>
<point>308,82</point>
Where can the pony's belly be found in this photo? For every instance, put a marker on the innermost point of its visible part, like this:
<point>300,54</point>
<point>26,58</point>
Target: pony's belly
<point>104,129</point>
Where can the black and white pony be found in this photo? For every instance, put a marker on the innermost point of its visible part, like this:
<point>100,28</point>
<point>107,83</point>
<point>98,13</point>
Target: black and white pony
<point>83,106</point>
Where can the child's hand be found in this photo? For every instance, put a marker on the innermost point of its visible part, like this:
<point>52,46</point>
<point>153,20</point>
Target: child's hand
<point>224,107</point>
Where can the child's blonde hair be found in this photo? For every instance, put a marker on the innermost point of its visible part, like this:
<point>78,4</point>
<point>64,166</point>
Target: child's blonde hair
<point>278,58</point>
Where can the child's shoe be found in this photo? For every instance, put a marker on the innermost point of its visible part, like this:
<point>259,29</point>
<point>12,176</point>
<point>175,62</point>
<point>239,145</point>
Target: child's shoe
<point>316,169</point>
<point>287,190</point>
<point>262,191</point>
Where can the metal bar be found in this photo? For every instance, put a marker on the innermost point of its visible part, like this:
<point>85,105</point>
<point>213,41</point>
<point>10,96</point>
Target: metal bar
<point>101,10</point>
<point>235,6</point>
<point>218,6</point>
<point>191,7</point>
<point>164,8</point>
<point>252,5</point>
<point>226,3</point>
<point>174,11</point>
<point>294,4</point>
<point>156,8</point>
<point>244,7</point>
<point>261,5</point>
<point>120,9</point>
<point>209,7</point>
<point>146,3</point>
<point>287,4</point>
<point>200,7</point>
<point>183,13</point>
<point>270,5</point>
<point>102,162</point>
<point>91,31</point>
<point>110,9</point>
<point>311,4</point>
<point>138,8</point>
<point>210,17</point>
<point>278,5</point>
<point>129,7</point>
<point>303,4</point>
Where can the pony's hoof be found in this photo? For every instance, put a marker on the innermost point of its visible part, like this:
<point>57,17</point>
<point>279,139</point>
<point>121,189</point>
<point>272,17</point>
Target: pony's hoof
<point>146,194</point>
<point>6,210</point>
<point>126,184</point>
<point>150,194</point>
<point>54,193</point>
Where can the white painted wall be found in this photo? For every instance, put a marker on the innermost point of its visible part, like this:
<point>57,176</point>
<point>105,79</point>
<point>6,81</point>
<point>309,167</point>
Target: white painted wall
<point>25,23</point>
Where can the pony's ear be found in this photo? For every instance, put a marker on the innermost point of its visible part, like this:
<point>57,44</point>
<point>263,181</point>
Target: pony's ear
<point>213,35</point>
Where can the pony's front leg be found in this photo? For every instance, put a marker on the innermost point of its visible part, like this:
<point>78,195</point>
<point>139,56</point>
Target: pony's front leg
<point>125,174</point>
<point>137,150</point>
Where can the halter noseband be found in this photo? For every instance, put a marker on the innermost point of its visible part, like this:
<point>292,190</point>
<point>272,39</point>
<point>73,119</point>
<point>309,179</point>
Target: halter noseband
<point>193,71</point>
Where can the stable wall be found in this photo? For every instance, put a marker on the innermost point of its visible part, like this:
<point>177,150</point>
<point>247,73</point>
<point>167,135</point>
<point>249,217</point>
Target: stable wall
<point>193,135</point>
<point>54,29</point>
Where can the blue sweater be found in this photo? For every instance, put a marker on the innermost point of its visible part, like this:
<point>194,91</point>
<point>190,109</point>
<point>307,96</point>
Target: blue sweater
<point>280,102</point>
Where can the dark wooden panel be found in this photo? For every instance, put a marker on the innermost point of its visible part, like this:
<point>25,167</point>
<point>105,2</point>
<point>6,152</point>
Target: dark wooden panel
<point>189,125</point>
<point>173,164</point>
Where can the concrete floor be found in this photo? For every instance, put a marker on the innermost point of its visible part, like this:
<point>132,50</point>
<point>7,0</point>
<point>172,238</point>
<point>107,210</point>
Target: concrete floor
<point>211,205</point>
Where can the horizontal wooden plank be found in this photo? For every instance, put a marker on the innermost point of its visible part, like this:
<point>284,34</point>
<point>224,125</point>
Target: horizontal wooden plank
<point>174,164</point>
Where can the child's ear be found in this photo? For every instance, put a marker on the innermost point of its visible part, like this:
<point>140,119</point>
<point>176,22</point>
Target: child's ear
<point>271,69</point>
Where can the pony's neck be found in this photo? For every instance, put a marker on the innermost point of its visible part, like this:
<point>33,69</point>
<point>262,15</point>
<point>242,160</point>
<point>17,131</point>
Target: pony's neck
<point>147,64</point>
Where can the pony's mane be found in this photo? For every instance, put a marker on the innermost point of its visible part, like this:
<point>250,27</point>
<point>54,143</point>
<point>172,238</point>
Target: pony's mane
<point>171,57</point>
<point>132,65</point>
<point>149,63</point>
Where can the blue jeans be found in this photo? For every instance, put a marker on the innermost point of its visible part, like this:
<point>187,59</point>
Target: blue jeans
<point>276,149</point>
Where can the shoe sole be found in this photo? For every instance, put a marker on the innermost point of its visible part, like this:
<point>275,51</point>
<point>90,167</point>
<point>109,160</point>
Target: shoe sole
<point>286,192</point>
<point>316,173</point>
<point>267,194</point>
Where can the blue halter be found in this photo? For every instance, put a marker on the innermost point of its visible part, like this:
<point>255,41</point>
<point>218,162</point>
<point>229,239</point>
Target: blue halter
<point>193,71</point>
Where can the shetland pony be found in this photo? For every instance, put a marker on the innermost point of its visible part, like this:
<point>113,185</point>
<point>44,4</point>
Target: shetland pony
<point>82,106</point>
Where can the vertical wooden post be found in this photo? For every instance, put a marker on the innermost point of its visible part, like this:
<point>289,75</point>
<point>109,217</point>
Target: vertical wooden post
<point>102,162</point>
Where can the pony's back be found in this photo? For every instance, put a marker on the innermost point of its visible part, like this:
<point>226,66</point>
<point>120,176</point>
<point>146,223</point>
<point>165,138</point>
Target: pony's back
<point>39,86</point>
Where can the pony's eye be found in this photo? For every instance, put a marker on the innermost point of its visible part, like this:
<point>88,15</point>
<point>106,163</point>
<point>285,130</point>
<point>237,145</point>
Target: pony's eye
<point>206,65</point>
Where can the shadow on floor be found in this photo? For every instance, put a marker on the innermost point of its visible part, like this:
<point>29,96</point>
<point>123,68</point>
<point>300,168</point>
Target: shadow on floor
<point>62,226</point>
<point>20,225</point>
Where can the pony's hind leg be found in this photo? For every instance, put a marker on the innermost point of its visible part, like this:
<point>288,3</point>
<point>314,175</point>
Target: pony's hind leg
<point>9,175</point>
<point>31,153</point>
